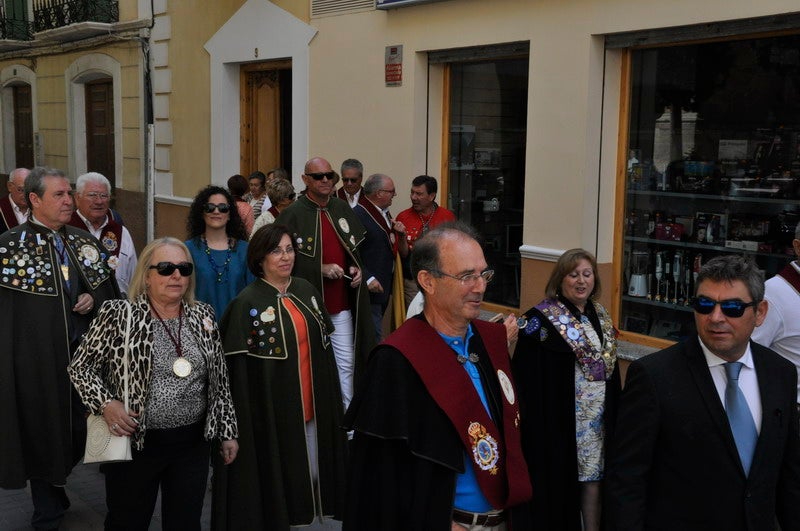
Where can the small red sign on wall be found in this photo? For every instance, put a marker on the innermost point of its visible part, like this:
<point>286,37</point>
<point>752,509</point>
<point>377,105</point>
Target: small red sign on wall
<point>394,65</point>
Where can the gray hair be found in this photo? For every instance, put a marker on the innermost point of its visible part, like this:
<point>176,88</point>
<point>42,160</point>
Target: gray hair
<point>34,182</point>
<point>352,163</point>
<point>18,171</point>
<point>374,183</point>
<point>426,255</point>
<point>91,177</point>
<point>730,268</point>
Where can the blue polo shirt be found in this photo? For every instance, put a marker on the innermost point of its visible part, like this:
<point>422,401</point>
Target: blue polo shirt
<point>469,496</point>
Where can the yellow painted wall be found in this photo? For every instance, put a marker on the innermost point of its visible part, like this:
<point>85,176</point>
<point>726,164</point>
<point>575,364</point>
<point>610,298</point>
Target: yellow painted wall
<point>189,102</point>
<point>52,106</point>
<point>353,113</point>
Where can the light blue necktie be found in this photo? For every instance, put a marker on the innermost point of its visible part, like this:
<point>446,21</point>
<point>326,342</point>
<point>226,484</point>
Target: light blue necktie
<point>739,417</point>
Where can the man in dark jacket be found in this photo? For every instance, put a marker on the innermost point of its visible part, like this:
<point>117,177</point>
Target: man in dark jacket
<point>707,432</point>
<point>54,277</point>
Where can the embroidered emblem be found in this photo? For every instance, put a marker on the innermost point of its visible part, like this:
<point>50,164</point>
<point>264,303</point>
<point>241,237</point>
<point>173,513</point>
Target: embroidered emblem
<point>109,241</point>
<point>505,384</point>
<point>90,253</point>
<point>113,262</point>
<point>532,326</point>
<point>314,303</point>
<point>484,448</point>
<point>543,334</point>
<point>208,324</point>
<point>344,225</point>
<point>268,315</point>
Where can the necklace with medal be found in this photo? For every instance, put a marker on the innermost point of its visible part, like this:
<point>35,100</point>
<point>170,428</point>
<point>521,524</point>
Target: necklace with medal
<point>62,257</point>
<point>426,222</point>
<point>181,366</point>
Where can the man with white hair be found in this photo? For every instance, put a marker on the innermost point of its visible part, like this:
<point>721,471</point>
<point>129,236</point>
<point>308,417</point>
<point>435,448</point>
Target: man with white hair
<point>13,208</point>
<point>92,199</point>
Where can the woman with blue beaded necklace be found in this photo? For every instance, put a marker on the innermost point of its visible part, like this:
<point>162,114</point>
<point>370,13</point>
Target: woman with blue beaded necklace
<point>218,243</point>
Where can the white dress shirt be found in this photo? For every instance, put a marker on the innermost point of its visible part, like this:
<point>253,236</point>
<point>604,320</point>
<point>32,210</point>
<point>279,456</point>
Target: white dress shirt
<point>21,216</point>
<point>748,381</point>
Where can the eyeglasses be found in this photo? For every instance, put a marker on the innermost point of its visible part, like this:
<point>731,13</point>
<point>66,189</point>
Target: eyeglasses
<point>470,279</point>
<point>165,269</point>
<point>97,195</point>
<point>278,252</point>
<point>349,179</point>
<point>729,307</point>
<point>223,208</point>
<point>321,175</point>
<point>394,193</point>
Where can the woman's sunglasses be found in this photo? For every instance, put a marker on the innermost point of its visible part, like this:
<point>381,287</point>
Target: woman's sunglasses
<point>165,269</point>
<point>223,208</point>
<point>729,307</point>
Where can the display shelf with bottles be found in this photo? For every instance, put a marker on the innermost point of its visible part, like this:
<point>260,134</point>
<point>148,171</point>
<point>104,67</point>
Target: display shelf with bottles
<point>713,168</point>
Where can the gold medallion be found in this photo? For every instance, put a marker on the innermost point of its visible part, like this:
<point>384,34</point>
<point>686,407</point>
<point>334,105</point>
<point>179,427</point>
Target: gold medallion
<point>65,272</point>
<point>181,367</point>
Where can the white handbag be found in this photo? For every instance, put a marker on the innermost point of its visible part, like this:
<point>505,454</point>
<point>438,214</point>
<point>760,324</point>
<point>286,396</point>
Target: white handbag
<point>102,446</point>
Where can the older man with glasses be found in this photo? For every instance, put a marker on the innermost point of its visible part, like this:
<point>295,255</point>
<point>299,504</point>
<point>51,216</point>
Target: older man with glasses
<point>329,237</point>
<point>93,199</point>
<point>13,207</point>
<point>436,421</point>
<point>707,432</point>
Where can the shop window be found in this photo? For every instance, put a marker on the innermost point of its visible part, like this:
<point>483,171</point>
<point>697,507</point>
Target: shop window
<point>713,167</point>
<point>488,109</point>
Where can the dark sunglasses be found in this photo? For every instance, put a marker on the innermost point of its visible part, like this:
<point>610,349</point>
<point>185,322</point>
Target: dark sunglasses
<point>319,176</point>
<point>348,180</point>
<point>223,208</point>
<point>165,269</point>
<point>730,307</point>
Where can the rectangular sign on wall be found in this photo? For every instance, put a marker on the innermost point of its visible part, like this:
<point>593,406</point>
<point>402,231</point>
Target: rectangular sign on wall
<point>393,60</point>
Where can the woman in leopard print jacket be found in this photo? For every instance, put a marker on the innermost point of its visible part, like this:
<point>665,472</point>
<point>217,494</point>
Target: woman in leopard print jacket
<point>179,399</point>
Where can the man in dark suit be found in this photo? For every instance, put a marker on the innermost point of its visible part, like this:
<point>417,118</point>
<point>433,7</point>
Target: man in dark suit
<point>707,432</point>
<point>383,240</point>
<point>352,172</point>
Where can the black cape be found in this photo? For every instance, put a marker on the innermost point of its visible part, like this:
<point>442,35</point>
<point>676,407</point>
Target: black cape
<point>42,419</point>
<point>268,486</point>
<point>406,453</point>
<point>544,373</point>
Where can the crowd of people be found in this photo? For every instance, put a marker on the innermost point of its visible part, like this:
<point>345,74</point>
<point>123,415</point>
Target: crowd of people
<point>262,346</point>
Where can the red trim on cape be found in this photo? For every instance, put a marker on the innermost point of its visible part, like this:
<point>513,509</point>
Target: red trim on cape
<point>507,484</point>
<point>790,274</point>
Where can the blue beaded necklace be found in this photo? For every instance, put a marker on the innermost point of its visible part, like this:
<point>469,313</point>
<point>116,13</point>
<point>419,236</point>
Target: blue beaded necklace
<point>220,271</point>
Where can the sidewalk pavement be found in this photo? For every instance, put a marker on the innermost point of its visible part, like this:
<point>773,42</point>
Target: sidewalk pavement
<point>86,491</point>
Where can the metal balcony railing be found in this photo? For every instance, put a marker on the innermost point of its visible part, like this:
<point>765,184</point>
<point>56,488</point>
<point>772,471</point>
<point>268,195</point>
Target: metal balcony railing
<point>52,14</point>
<point>18,30</point>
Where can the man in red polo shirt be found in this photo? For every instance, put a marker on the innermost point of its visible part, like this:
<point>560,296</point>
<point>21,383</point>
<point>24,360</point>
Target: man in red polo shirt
<point>424,214</point>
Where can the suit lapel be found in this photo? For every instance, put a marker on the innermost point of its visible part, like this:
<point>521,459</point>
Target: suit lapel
<point>770,404</point>
<point>705,385</point>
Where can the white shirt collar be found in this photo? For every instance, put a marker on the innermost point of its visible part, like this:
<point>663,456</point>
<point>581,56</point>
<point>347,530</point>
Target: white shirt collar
<point>89,223</point>
<point>713,360</point>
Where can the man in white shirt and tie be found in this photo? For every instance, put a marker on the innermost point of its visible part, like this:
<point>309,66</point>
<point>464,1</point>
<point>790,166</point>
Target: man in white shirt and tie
<point>13,208</point>
<point>707,431</point>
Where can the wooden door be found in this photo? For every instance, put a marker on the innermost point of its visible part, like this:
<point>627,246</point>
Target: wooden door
<point>100,127</point>
<point>23,126</point>
<point>265,116</point>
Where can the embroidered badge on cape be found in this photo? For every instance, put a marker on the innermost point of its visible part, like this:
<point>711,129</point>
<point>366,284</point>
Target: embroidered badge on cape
<point>109,241</point>
<point>532,325</point>
<point>484,448</point>
<point>344,225</point>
